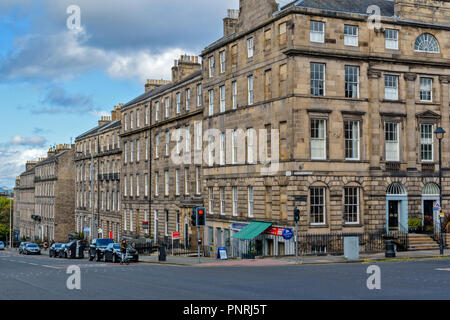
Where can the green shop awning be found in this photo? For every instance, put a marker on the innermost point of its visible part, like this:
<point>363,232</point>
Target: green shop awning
<point>252,230</point>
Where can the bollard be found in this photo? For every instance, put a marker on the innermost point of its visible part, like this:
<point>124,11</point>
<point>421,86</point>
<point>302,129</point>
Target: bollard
<point>390,251</point>
<point>162,253</point>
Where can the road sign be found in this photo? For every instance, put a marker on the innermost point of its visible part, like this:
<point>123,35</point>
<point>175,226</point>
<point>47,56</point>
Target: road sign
<point>287,234</point>
<point>87,229</point>
<point>301,199</point>
<point>436,206</point>
<point>176,235</point>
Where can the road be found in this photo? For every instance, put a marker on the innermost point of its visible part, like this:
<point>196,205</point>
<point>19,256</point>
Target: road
<point>41,277</point>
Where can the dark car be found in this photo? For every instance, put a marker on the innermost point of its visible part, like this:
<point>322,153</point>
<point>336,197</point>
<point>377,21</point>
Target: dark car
<point>54,250</point>
<point>112,253</point>
<point>22,246</point>
<point>63,252</point>
<point>97,248</point>
<point>75,250</point>
<point>31,248</point>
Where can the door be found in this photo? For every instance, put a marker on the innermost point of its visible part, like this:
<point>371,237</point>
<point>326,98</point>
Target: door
<point>428,224</point>
<point>186,234</point>
<point>270,247</point>
<point>281,250</point>
<point>393,214</point>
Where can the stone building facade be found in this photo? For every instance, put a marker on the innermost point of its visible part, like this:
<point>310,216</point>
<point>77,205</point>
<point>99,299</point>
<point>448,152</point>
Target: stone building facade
<point>102,144</point>
<point>24,204</point>
<point>354,105</point>
<point>171,109</point>
<point>55,194</point>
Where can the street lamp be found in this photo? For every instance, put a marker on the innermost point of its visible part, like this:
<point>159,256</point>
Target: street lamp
<point>439,132</point>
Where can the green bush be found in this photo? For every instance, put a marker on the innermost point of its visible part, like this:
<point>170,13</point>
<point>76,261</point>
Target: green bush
<point>415,223</point>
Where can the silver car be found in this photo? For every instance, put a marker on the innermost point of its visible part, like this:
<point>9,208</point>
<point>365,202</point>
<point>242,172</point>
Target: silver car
<point>31,248</point>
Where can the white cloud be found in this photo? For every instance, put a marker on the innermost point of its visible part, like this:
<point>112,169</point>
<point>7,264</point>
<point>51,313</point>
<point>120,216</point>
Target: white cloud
<point>13,160</point>
<point>18,140</point>
<point>66,55</point>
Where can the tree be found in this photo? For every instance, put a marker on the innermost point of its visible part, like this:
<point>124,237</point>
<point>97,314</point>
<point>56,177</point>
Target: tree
<point>4,218</point>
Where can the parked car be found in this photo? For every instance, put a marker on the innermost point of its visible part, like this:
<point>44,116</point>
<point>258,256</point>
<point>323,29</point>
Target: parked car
<point>54,250</point>
<point>31,248</point>
<point>113,254</point>
<point>63,252</point>
<point>75,249</point>
<point>2,245</point>
<point>22,246</point>
<point>97,248</point>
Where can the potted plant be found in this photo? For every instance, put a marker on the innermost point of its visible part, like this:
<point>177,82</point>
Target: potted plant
<point>414,225</point>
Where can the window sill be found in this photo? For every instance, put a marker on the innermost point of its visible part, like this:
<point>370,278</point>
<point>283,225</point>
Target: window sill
<point>322,226</point>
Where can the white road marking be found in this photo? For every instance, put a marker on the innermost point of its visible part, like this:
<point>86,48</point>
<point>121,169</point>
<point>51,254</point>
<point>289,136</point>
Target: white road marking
<point>443,269</point>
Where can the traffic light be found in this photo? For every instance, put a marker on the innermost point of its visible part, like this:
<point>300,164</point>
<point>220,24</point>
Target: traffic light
<point>296,214</point>
<point>201,216</point>
<point>194,217</point>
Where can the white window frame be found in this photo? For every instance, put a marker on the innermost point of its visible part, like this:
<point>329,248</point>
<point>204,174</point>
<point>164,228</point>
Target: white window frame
<point>354,140</point>
<point>250,93</point>
<point>322,204</point>
<point>424,90</point>
<point>320,139</point>
<point>211,66</point>
<point>429,141</point>
<point>235,201</point>
<point>222,201</point>
<point>250,201</point>
<point>222,98</point>
<point>391,87</point>
<point>211,102</point>
<point>250,47</point>
<point>391,39</point>
<point>317,31</point>
<point>222,61</point>
<point>234,94</point>
<point>350,36</point>
<point>348,205</point>
<point>393,143</point>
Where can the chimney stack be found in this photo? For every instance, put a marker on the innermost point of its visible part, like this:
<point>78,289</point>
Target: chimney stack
<point>185,66</point>
<point>104,120</point>
<point>115,114</point>
<point>153,84</point>
<point>230,23</point>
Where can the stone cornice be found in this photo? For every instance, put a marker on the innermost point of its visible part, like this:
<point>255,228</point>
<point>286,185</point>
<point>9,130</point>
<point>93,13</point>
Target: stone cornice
<point>362,56</point>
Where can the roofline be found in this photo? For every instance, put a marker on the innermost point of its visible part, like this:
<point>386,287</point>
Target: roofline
<point>190,78</point>
<point>290,9</point>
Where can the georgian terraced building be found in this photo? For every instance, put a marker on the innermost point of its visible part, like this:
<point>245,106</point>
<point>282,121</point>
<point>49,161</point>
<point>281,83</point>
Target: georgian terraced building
<point>102,144</point>
<point>353,103</point>
<point>54,194</point>
<point>162,154</point>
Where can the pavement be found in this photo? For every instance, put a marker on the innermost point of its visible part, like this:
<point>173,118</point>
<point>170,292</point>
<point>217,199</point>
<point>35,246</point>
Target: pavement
<point>42,277</point>
<point>279,261</point>
<point>289,260</point>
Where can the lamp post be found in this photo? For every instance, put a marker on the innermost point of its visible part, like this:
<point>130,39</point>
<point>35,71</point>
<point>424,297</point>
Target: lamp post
<point>439,132</point>
<point>10,223</point>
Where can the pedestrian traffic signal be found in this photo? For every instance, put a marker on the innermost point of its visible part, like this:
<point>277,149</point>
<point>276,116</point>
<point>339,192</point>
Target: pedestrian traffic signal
<point>296,214</point>
<point>201,216</point>
<point>194,217</point>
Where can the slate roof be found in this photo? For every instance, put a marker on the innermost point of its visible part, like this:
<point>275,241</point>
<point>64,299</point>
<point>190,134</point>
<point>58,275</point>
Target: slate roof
<point>349,6</point>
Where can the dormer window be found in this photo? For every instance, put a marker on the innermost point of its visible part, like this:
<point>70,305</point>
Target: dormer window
<point>426,43</point>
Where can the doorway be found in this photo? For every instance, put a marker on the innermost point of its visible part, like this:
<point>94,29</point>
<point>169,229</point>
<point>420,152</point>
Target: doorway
<point>393,212</point>
<point>428,223</point>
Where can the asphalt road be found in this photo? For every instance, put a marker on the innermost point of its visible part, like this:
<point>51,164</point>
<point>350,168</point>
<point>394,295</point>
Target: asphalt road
<point>41,277</point>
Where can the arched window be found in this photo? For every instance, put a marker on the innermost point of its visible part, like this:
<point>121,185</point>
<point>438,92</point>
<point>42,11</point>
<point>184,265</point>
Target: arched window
<point>430,189</point>
<point>396,188</point>
<point>426,43</point>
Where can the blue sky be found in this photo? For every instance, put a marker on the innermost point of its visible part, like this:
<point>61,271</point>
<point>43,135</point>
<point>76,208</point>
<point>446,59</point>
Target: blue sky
<point>55,83</point>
